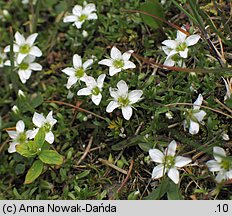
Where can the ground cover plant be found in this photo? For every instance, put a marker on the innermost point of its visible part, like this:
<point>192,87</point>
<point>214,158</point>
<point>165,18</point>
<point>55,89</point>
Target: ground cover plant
<point>115,99</point>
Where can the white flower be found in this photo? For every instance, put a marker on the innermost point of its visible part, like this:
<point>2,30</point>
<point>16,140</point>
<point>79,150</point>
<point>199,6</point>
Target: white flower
<point>15,109</point>
<point>221,164</point>
<point>168,162</point>
<point>23,47</point>
<point>118,61</point>
<point>21,93</point>
<point>225,136</point>
<point>195,116</point>
<point>25,68</point>
<point>178,48</point>
<point>94,88</point>
<point>18,137</point>
<point>81,14</point>
<point>85,34</point>
<point>77,72</point>
<point>2,58</point>
<point>123,100</point>
<point>228,84</point>
<point>47,123</point>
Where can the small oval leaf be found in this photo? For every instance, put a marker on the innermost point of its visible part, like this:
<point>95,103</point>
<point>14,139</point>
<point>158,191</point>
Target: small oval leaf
<point>51,157</point>
<point>34,172</point>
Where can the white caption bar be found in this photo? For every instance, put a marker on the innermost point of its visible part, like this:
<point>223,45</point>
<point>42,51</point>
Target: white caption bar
<point>115,208</point>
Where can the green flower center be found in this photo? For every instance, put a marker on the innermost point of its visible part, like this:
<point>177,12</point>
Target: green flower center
<point>95,91</point>
<point>47,127</point>
<point>22,137</point>
<point>83,17</point>
<point>226,165</point>
<point>119,63</point>
<point>23,66</point>
<point>79,72</point>
<point>169,161</point>
<point>124,101</point>
<point>24,49</point>
<point>181,47</point>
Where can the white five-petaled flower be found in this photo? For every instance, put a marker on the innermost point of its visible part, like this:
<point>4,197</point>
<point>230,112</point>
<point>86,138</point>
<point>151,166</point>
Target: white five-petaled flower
<point>177,49</point>
<point>23,47</point>
<point>94,88</point>
<point>77,72</point>
<point>195,116</point>
<point>168,162</point>
<point>221,164</point>
<point>18,137</point>
<point>81,13</point>
<point>2,58</point>
<point>47,123</point>
<point>25,68</point>
<point>123,100</point>
<point>118,61</point>
<point>228,84</point>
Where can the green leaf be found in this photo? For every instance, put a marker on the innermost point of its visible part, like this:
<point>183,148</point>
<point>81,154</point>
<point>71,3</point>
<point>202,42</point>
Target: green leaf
<point>28,149</point>
<point>38,100</point>
<point>160,191</point>
<point>40,138</point>
<point>83,174</point>
<point>51,157</point>
<point>174,192</point>
<point>154,8</point>
<point>34,172</point>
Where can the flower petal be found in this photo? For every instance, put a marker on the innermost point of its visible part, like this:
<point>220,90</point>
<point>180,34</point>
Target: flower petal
<point>31,39</point>
<point>169,62</point>
<point>87,63</point>
<point>49,137</point>
<point>181,161</point>
<point>35,51</point>
<point>198,102</point>
<point>107,62</point>
<point>50,119</point>
<point>173,174</point>
<point>128,64</point>
<point>84,91</point>
<point>115,53</point>
<point>113,70</point>
<point>92,16</point>
<point>134,96</point>
<point>12,147</point>
<point>35,67</point>
<point>127,112</point>
<point>111,106</point>
<point>114,93</point>
<point>220,176</point>
<point>20,57</point>
<point>77,61</point>
<point>200,115</point>
<point>12,134</point>
<point>100,80</point>
<point>89,8</point>
<point>126,55</point>
<point>218,153</point>
<point>171,149</point>
<point>77,10</point>
<point>192,39</point>
<point>96,99</point>
<point>71,81</point>
<point>122,87</point>
<point>213,166</point>
<point>156,155</point>
<point>78,24</point>
<point>69,71</point>
<point>38,119</point>
<point>20,126</point>
<point>194,127</point>
<point>70,18</point>
<point>158,171</point>
<point>166,50</point>
<point>172,44</point>
<point>19,38</point>
<point>180,36</point>
<point>184,54</point>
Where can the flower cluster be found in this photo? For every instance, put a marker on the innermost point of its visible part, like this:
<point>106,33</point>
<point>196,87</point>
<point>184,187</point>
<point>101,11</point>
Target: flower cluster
<point>118,62</point>
<point>25,53</point>
<point>20,136</point>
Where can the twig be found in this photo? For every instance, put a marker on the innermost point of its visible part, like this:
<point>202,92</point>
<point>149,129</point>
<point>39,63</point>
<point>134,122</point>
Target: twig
<point>223,105</point>
<point>75,107</point>
<point>86,151</point>
<point>3,145</point>
<point>127,177</point>
<point>107,163</point>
